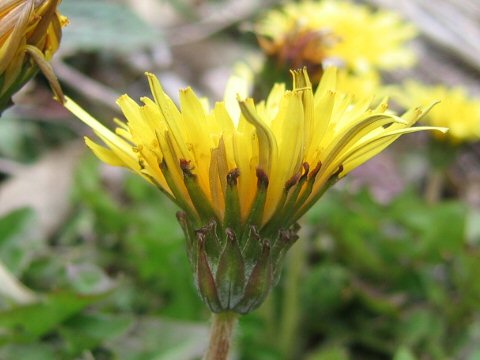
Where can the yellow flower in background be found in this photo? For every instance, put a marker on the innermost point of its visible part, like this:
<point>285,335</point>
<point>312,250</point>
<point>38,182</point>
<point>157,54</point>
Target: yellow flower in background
<point>30,33</point>
<point>457,110</point>
<point>361,85</point>
<point>352,35</point>
<point>243,172</point>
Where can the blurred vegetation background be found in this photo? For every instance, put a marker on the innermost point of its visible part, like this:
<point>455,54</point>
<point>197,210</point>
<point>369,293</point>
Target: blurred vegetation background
<point>380,272</point>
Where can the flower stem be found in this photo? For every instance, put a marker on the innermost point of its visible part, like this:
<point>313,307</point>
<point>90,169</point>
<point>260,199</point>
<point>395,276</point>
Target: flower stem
<point>221,333</point>
<point>435,183</point>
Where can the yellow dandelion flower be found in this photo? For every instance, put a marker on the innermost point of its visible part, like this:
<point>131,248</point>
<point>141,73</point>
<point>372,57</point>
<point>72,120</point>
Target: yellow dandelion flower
<point>457,110</point>
<point>360,85</point>
<point>312,32</point>
<point>244,178</point>
<point>30,33</point>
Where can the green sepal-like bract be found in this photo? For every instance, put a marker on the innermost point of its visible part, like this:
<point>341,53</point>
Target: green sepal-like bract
<point>231,276</point>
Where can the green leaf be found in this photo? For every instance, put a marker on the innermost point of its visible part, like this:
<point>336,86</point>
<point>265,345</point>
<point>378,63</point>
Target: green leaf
<point>14,223</point>
<point>17,243</point>
<point>28,352</point>
<point>434,231</point>
<point>324,291</point>
<point>473,227</point>
<point>85,332</point>
<point>329,352</point>
<point>422,327</point>
<point>88,278</point>
<point>29,322</point>
<point>403,353</point>
<point>89,191</point>
<point>13,134</point>
<point>475,355</point>
<point>161,339</point>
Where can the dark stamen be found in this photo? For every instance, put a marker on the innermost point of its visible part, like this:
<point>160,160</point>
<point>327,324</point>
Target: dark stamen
<point>262,179</point>
<point>306,169</point>
<point>186,167</point>
<point>339,171</point>
<point>232,177</point>
<point>292,181</point>
<point>316,170</point>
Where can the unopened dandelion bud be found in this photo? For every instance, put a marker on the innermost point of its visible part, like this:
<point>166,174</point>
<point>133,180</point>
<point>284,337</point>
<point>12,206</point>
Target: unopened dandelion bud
<point>30,33</point>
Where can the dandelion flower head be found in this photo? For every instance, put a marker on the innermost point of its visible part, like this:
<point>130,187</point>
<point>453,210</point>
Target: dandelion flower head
<point>456,110</point>
<point>261,164</point>
<point>352,35</point>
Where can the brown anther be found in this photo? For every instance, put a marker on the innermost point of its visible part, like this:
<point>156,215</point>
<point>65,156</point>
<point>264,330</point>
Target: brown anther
<point>186,167</point>
<point>232,177</point>
<point>316,170</point>
<point>292,181</point>
<point>162,165</point>
<point>262,179</point>
<point>306,168</point>
<point>339,171</point>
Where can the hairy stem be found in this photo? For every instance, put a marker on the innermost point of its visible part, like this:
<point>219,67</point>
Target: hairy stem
<point>221,334</point>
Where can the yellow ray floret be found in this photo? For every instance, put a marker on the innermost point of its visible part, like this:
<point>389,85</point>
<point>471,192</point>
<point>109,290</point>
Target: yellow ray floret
<point>271,163</point>
<point>311,32</point>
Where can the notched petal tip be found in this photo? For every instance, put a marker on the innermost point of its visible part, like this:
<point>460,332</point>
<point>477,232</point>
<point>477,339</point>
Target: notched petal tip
<point>301,80</point>
<point>122,98</point>
<point>443,130</point>
<point>426,109</point>
<point>241,100</point>
<point>185,90</point>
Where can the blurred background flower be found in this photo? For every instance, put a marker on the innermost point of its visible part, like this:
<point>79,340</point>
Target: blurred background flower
<point>314,33</point>
<point>456,110</point>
